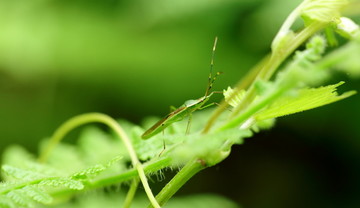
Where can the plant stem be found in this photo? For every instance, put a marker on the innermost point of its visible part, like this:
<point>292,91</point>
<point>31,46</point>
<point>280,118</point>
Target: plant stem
<point>187,172</point>
<point>100,118</point>
<point>131,193</point>
<point>148,191</point>
<point>276,59</point>
<point>265,70</point>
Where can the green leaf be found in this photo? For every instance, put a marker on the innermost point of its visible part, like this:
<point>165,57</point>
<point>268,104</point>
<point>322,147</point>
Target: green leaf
<point>322,10</point>
<point>91,171</point>
<point>19,198</point>
<point>346,59</point>
<point>212,148</point>
<point>302,70</point>
<point>95,170</point>
<point>305,99</point>
<point>6,202</point>
<point>150,148</point>
<point>172,136</point>
<point>19,173</point>
<point>263,125</point>
<point>348,28</point>
<point>37,195</point>
<point>106,146</point>
<point>16,156</point>
<point>62,154</point>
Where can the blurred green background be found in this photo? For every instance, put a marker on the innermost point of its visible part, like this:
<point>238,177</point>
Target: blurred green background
<point>134,58</point>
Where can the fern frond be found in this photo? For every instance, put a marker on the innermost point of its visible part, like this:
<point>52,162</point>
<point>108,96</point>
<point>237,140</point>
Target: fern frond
<point>19,198</point>
<point>37,194</point>
<point>91,171</point>
<point>34,183</point>
<point>147,149</point>
<point>95,170</point>
<point>6,202</point>
<point>211,147</point>
<point>19,173</point>
<point>24,195</point>
<point>106,146</point>
<point>17,156</point>
<point>113,161</point>
<point>62,182</point>
<point>61,156</point>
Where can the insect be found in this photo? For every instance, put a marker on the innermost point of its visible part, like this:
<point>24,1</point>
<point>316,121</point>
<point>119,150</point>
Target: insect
<point>187,108</point>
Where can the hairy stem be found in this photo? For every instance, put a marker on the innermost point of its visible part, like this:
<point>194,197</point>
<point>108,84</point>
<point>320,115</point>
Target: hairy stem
<point>187,172</point>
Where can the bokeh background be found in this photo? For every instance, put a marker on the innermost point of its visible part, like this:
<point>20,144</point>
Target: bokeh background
<point>134,58</point>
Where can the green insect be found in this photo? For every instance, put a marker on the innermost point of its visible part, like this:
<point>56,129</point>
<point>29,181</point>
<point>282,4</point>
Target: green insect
<point>187,108</point>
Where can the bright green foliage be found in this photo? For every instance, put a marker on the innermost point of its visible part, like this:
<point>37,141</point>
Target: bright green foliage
<point>38,182</point>
<point>100,159</point>
<point>24,192</point>
<point>304,99</point>
<point>322,10</point>
<point>312,12</point>
<point>93,138</point>
<point>95,170</point>
<point>147,149</point>
<point>302,70</point>
<point>66,182</point>
<point>299,72</point>
<point>32,182</point>
<point>350,63</point>
<point>348,28</point>
<point>18,173</point>
<point>346,58</point>
<point>212,148</point>
<point>37,194</point>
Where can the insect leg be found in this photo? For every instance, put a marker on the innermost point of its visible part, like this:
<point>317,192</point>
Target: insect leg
<point>172,108</point>
<point>214,103</point>
<point>188,124</point>
<point>164,147</point>
<point>208,105</point>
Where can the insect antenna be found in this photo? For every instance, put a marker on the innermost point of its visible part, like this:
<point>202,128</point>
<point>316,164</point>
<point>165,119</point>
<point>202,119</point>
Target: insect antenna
<point>211,79</point>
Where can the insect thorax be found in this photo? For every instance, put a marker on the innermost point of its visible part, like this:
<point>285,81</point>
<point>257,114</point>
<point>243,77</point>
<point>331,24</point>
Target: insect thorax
<point>190,103</point>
